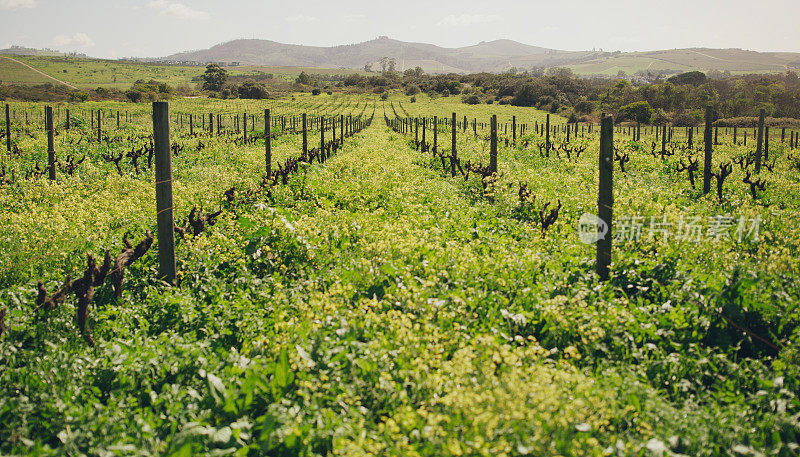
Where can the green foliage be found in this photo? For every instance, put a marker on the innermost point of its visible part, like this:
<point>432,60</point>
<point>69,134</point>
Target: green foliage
<point>639,112</point>
<point>252,90</point>
<point>694,78</point>
<point>214,77</point>
<point>376,306</point>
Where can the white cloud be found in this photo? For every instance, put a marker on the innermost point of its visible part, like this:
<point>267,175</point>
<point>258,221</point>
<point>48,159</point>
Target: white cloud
<point>177,9</point>
<point>301,19</point>
<point>463,20</point>
<point>79,40</point>
<point>16,4</point>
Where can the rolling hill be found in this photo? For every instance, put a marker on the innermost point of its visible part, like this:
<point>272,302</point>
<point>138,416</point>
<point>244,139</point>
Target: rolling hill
<point>492,56</point>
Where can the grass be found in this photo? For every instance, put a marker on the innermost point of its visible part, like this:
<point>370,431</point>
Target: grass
<point>93,73</point>
<point>375,306</point>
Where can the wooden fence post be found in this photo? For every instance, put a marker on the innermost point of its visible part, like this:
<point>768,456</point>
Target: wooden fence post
<point>547,135</point>
<point>8,128</point>
<point>268,142</point>
<point>305,134</point>
<point>708,148</point>
<point>163,169</point>
<point>322,139</point>
<point>435,134</point>
<point>493,149</point>
<point>99,126</point>
<point>766,143</point>
<point>416,133</point>
<point>244,127</point>
<point>67,123</point>
<point>514,128</point>
<point>453,149</point>
<point>51,149</point>
<point>760,142</point>
<point>605,195</point>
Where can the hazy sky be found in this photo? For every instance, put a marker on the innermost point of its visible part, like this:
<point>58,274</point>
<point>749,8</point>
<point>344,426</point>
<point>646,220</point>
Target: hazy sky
<point>148,28</point>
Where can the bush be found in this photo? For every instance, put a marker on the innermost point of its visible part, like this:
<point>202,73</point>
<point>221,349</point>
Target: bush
<point>252,91</point>
<point>413,99</point>
<point>385,96</point>
<point>134,95</point>
<point>584,107</point>
<point>472,100</point>
<point>316,92</point>
<point>753,122</point>
<point>685,120</point>
<point>412,90</point>
<point>640,112</point>
<point>525,96</point>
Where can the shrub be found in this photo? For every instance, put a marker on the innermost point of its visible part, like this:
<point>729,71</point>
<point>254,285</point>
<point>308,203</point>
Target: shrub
<point>252,91</point>
<point>472,100</point>
<point>584,107</point>
<point>413,99</point>
<point>134,95</point>
<point>640,112</point>
<point>685,120</point>
<point>385,96</point>
<point>316,92</point>
<point>412,90</point>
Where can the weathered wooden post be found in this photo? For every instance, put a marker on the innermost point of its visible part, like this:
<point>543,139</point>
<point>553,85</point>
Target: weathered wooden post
<point>163,169</point>
<point>605,196</point>
<point>493,149</point>
<point>759,145</point>
<point>453,149</point>
<point>244,127</point>
<point>67,123</point>
<point>708,148</point>
<point>341,127</point>
<point>416,133</point>
<point>766,143</point>
<point>335,145</point>
<point>51,149</point>
<point>424,122</point>
<point>268,142</point>
<point>118,120</point>
<point>690,136</point>
<point>322,139</point>
<point>547,135</point>
<point>8,128</point>
<point>435,134</point>
<point>191,125</point>
<point>734,134</point>
<point>99,126</point>
<point>514,129</point>
<point>305,133</point>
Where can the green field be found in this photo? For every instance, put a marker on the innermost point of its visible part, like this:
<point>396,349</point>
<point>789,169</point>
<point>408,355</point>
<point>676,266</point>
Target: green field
<point>735,61</point>
<point>112,74</point>
<point>375,305</point>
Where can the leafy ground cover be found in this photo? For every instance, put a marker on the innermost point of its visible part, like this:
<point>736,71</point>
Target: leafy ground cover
<point>376,305</point>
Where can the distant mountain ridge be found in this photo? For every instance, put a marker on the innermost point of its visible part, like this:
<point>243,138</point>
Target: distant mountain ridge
<point>495,55</point>
<point>492,56</point>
